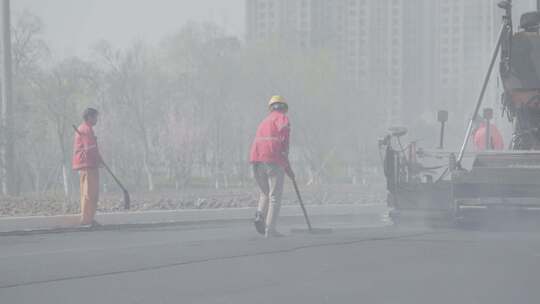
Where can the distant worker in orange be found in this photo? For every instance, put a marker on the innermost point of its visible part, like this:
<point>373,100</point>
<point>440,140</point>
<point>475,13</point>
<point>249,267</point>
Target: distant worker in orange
<point>481,133</point>
<point>270,159</point>
<point>87,160</point>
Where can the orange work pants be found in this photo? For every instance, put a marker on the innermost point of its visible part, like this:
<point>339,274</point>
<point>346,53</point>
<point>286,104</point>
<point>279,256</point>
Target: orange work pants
<point>89,194</point>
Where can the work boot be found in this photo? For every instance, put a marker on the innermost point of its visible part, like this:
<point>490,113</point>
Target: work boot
<point>93,225</point>
<point>85,226</point>
<point>272,233</point>
<point>259,222</point>
<point>96,224</point>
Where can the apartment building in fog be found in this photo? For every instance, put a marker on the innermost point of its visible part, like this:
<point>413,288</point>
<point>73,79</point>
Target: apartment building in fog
<point>414,55</point>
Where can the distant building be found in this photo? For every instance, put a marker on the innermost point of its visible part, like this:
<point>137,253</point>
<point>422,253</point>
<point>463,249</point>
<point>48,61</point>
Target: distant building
<point>448,46</point>
<point>289,20</point>
<point>415,55</point>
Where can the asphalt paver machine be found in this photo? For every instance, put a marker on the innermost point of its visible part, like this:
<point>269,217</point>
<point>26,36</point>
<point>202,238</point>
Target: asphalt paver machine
<point>434,184</point>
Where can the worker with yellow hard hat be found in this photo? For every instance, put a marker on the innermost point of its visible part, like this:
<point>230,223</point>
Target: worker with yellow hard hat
<point>277,99</point>
<point>270,160</point>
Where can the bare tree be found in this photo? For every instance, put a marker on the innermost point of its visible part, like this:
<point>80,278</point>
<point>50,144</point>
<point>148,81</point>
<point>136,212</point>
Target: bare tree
<point>136,92</point>
<point>29,56</point>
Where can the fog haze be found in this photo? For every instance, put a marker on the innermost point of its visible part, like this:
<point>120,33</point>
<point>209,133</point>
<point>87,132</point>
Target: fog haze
<point>71,26</point>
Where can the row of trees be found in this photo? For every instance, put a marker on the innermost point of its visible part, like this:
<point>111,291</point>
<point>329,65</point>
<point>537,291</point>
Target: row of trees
<point>183,112</point>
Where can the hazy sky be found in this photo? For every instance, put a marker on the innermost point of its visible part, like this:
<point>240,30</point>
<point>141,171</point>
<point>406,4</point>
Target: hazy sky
<point>71,26</point>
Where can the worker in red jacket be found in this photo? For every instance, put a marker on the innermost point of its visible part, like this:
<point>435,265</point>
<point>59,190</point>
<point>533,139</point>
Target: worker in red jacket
<point>87,160</point>
<point>269,157</point>
<point>479,138</point>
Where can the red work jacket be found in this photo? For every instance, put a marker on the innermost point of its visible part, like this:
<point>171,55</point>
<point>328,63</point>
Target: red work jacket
<point>85,149</point>
<point>497,142</point>
<point>271,143</point>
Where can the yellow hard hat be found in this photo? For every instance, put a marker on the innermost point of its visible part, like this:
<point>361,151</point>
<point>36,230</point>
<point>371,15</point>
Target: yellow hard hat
<point>276,99</point>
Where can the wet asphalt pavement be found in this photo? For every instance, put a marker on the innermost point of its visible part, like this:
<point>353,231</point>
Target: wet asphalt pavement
<point>362,261</point>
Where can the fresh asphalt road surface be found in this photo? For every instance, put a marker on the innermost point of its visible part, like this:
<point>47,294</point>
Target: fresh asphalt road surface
<point>228,263</point>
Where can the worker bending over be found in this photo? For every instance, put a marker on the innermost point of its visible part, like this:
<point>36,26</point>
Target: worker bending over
<point>270,161</point>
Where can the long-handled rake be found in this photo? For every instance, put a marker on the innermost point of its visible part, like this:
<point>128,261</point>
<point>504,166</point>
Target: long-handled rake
<point>310,229</point>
